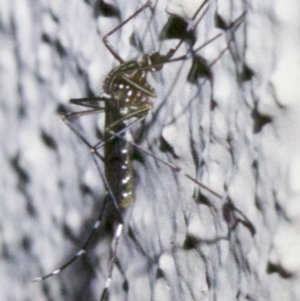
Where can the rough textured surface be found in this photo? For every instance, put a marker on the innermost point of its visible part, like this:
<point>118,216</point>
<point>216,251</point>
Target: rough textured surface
<point>238,129</point>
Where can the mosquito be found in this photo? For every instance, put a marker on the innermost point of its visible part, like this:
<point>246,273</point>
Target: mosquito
<point>126,102</point>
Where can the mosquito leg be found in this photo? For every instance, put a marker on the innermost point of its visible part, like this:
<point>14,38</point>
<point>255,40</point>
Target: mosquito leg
<point>172,51</point>
<point>113,259</point>
<point>94,148</point>
<point>81,113</point>
<point>88,101</point>
<point>96,110</point>
<point>178,169</point>
<point>79,135</point>
<point>172,166</point>
<point>190,53</point>
<point>101,143</point>
<point>81,251</point>
<point>92,234</point>
<point>105,40</point>
<point>94,153</point>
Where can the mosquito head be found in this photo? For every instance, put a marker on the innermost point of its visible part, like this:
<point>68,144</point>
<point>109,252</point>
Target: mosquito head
<point>153,62</point>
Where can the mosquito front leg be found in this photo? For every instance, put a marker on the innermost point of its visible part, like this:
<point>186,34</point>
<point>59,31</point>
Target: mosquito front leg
<point>105,40</point>
<point>89,102</point>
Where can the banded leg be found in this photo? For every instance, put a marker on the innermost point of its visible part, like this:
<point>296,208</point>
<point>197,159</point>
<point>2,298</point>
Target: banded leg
<point>245,221</point>
<point>81,251</point>
<point>105,293</point>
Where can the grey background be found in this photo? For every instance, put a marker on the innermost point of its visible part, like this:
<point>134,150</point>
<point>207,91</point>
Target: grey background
<point>238,129</point>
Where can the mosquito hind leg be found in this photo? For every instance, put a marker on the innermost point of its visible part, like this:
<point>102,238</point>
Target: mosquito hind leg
<point>81,251</point>
<point>105,293</point>
<point>245,221</point>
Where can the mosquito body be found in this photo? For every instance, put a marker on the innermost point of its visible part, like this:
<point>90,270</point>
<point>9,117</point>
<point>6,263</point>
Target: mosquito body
<point>130,96</point>
<point>126,101</point>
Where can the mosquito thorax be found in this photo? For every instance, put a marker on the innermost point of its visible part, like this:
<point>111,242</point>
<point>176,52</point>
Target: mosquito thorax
<point>127,84</point>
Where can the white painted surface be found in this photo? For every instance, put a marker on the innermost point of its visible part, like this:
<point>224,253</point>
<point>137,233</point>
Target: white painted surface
<point>259,164</point>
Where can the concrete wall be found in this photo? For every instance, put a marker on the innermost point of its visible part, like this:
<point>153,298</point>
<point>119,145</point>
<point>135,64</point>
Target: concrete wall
<point>236,130</point>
